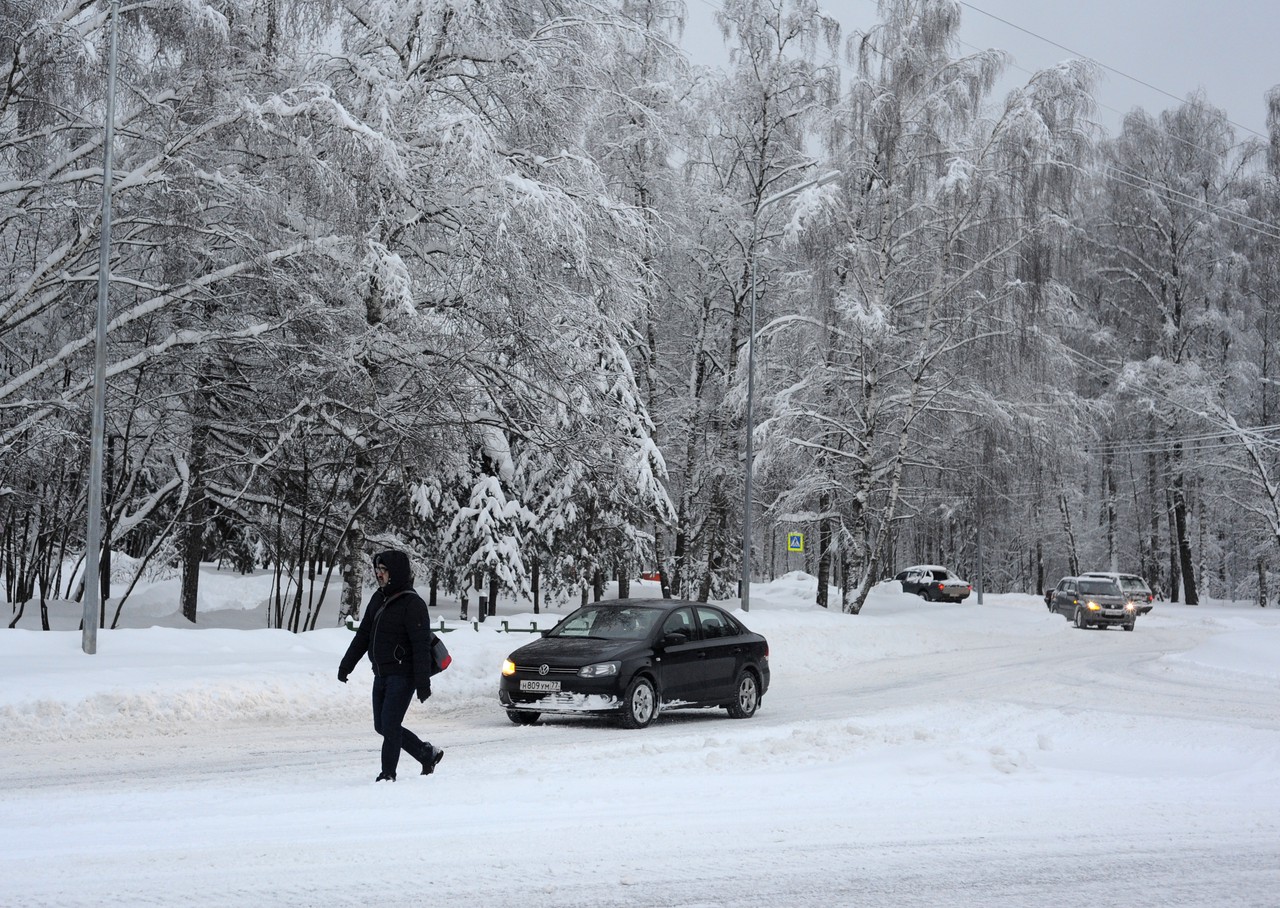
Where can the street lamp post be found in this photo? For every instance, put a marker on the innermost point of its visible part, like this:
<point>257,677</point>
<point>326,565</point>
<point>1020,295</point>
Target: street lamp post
<point>751,376</point>
<point>93,534</point>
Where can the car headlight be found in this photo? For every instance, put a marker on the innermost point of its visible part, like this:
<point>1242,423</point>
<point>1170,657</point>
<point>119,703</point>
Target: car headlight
<point>508,668</point>
<point>1130,606</point>
<point>1092,606</point>
<point>599,670</point>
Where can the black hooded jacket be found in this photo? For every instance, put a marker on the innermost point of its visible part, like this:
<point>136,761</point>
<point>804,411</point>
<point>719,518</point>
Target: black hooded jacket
<point>396,628</point>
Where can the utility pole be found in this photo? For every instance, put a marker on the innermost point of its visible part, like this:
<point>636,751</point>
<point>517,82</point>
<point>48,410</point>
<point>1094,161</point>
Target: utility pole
<point>93,536</point>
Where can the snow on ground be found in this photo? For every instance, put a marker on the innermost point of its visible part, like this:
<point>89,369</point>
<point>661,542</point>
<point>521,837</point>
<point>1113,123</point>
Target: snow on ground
<point>916,754</point>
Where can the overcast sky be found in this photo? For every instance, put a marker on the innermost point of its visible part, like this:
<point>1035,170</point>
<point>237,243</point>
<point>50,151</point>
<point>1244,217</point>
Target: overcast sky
<point>1226,47</point>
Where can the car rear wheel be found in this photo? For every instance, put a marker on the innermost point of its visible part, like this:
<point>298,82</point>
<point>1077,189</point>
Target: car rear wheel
<point>640,705</point>
<point>523,717</point>
<point>748,699</point>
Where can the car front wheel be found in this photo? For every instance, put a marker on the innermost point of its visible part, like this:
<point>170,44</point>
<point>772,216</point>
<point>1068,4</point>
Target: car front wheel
<point>1080,622</point>
<point>640,705</point>
<point>523,717</point>
<point>748,699</point>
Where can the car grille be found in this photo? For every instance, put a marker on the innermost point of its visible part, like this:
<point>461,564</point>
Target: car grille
<point>532,669</point>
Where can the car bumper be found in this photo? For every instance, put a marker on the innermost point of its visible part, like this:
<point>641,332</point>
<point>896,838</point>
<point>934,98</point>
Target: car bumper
<point>1111,616</point>
<point>576,695</point>
<point>562,702</point>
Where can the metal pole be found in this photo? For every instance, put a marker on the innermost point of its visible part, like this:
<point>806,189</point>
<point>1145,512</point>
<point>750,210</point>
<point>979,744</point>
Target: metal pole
<point>745,582</point>
<point>750,461</point>
<point>93,537</point>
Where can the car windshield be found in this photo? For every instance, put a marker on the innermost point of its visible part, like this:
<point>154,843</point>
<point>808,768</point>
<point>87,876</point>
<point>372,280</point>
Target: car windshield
<point>609,623</point>
<point>1099,588</point>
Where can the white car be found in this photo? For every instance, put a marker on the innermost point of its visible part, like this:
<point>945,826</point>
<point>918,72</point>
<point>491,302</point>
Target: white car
<point>934,583</point>
<point>1133,586</point>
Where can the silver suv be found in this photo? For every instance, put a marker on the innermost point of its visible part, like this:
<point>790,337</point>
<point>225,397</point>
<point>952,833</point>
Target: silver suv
<point>1093,602</point>
<point>1132,586</point>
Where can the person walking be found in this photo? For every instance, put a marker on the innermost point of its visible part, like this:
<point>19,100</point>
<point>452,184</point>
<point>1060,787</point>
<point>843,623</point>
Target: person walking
<point>396,634</point>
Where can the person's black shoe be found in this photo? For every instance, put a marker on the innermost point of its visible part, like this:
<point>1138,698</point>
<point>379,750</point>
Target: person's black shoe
<point>384,777</point>
<point>429,766</point>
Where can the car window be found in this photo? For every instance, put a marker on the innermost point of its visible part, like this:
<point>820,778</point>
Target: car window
<point>679,622</point>
<point>609,623</point>
<point>715,623</point>
<point>1099,588</point>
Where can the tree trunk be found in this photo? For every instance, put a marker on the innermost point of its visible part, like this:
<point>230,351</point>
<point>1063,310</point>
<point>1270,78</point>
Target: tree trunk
<point>1073,559</point>
<point>824,549</point>
<point>1184,543</point>
<point>1175,572</point>
<point>351,551</point>
<point>535,585</point>
<point>192,543</point>
<point>1109,487</point>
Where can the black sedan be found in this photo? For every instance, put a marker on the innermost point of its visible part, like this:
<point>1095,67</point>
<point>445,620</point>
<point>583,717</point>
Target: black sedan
<point>634,658</point>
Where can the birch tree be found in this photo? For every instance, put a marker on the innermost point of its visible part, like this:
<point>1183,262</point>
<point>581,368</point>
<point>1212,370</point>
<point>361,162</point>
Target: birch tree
<point>914,270</point>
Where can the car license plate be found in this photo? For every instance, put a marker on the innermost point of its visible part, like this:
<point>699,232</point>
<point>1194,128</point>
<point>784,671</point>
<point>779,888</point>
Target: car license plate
<point>540,686</point>
<point>1112,613</point>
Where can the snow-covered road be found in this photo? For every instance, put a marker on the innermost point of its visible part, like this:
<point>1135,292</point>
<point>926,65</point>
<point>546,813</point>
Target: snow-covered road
<point>914,755</point>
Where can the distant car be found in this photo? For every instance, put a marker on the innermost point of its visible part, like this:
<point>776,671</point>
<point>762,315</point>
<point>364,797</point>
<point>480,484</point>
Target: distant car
<point>633,658</point>
<point>1132,585</point>
<point>934,583</point>
<point>1093,602</point>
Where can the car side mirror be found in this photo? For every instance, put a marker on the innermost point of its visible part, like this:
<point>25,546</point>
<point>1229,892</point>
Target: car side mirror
<point>675,638</point>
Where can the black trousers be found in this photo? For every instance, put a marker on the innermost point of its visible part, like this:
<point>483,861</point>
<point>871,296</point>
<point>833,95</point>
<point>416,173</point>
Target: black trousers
<point>392,695</point>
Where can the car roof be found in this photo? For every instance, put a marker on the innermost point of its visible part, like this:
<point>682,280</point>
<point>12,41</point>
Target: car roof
<point>1114,575</point>
<point>926,567</point>
<point>659,604</point>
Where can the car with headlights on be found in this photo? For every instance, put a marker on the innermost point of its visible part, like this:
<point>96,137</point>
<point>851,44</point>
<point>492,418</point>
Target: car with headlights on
<point>1132,586</point>
<point>934,583</point>
<point>635,658</point>
<point>1093,602</point>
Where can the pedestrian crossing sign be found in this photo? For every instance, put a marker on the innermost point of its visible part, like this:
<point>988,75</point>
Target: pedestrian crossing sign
<point>795,542</point>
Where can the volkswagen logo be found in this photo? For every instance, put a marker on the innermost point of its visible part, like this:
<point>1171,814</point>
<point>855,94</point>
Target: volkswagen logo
<point>543,669</point>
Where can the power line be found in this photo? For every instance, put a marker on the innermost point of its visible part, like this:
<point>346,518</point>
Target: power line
<point>1238,219</point>
<point>1095,61</point>
<point>712,4</point>
<point>1235,218</point>
<point>1255,431</point>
